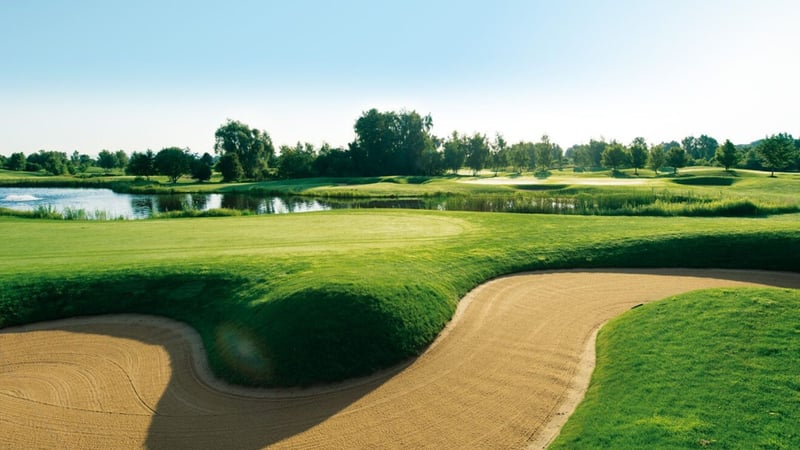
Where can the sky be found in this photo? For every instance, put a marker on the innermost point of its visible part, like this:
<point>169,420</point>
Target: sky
<point>89,75</point>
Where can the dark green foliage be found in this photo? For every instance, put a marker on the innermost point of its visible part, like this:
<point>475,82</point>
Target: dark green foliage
<point>230,167</point>
<point>637,153</point>
<point>253,148</point>
<point>296,162</point>
<point>201,167</point>
<point>16,162</point>
<point>727,155</point>
<point>106,160</point>
<point>676,158</point>
<point>615,156</point>
<point>657,158</point>
<point>391,143</point>
<point>777,151</point>
<point>142,164</point>
<point>172,162</point>
<point>55,163</point>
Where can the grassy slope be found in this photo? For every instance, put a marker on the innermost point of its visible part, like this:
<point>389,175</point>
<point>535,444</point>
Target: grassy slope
<point>712,368</point>
<point>329,295</point>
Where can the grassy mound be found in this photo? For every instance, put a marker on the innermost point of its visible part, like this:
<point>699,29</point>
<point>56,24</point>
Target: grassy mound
<point>299,299</point>
<point>713,368</point>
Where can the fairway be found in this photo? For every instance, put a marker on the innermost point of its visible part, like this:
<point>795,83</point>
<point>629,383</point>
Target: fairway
<point>506,372</point>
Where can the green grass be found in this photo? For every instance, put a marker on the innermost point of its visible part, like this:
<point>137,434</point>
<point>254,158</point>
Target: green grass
<point>325,296</point>
<point>714,368</point>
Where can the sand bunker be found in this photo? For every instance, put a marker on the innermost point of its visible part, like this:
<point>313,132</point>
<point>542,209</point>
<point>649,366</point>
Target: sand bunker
<point>506,373</point>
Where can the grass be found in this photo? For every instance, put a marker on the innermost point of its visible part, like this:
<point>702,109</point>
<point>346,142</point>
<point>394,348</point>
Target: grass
<point>329,295</point>
<point>714,368</point>
<point>696,192</point>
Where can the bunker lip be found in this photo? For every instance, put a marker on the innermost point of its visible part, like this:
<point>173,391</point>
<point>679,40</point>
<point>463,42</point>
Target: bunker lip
<point>506,372</point>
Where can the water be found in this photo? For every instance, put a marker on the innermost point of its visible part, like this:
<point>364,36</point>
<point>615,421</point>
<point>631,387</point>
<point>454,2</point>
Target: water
<point>108,204</point>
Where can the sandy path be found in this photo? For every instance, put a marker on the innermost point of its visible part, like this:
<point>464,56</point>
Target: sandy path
<point>505,374</point>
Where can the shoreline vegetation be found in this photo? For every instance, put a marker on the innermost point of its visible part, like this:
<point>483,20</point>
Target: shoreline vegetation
<point>705,192</point>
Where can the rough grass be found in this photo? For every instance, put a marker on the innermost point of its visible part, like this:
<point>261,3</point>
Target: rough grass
<point>337,294</point>
<point>713,369</point>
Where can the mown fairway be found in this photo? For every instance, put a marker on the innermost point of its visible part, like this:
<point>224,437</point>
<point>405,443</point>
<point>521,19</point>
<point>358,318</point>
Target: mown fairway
<point>711,369</point>
<point>337,294</point>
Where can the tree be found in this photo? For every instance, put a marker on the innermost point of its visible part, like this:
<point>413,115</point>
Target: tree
<point>391,142</point>
<point>727,155</point>
<point>596,149</point>
<point>120,159</point>
<point>520,156</point>
<point>56,163</point>
<point>80,162</point>
<point>776,151</point>
<point>638,154</point>
<point>230,167</point>
<point>477,153</point>
<point>499,156</point>
<point>296,162</point>
<point>16,162</point>
<point>333,162</point>
<point>544,154</point>
<point>690,146</point>
<point>614,156</point>
<point>201,168</point>
<point>706,147</point>
<point>455,152</point>
<point>676,158</point>
<point>173,162</point>
<point>106,160</point>
<point>253,148</point>
<point>141,164</point>
<point>657,157</point>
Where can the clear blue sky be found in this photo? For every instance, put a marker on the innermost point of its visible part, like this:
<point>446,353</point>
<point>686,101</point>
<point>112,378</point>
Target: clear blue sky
<point>88,75</point>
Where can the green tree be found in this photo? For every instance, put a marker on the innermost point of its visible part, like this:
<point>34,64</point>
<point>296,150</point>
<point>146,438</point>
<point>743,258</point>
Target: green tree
<point>690,146</point>
<point>391,142</point>
<point>477,153</point>
<point>142,164</point>
<point>638,154</point>
<point>676,158</point>
<point>120,159</point>
<point>106,160</point>
<point>296,162</point>
<point>333,162</point>
<point>544,154</point>
<point>230,167</point>
<point>253,148</point>
<point>173,162</point>
<point>16,162</point>
<point>706,147</point>
<point>776,151</point>
<point>55,163</point>
<point>727,155</point>
<point>520,156</point>
<point>455,152</point>
<point>657,157</point>
<point>614,156</point>
<point>596,149</point>
<point>499,155</point>
<point>201,168</point>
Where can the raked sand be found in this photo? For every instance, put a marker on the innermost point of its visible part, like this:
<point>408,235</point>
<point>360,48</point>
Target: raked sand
<point>505,373</point>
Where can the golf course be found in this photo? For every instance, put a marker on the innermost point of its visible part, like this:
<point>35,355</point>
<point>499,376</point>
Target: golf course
<point>404,328</point>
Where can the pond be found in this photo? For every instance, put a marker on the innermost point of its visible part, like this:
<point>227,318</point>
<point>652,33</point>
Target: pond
<point>106,204</point>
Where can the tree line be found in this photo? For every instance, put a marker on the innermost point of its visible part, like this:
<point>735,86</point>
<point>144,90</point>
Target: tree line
<point>401,143</point>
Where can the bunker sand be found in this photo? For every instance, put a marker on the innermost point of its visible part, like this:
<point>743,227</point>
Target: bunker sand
<point>505,373</point>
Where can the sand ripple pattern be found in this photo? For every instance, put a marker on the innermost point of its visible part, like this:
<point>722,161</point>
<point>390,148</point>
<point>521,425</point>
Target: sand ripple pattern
<point>506,373</point>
